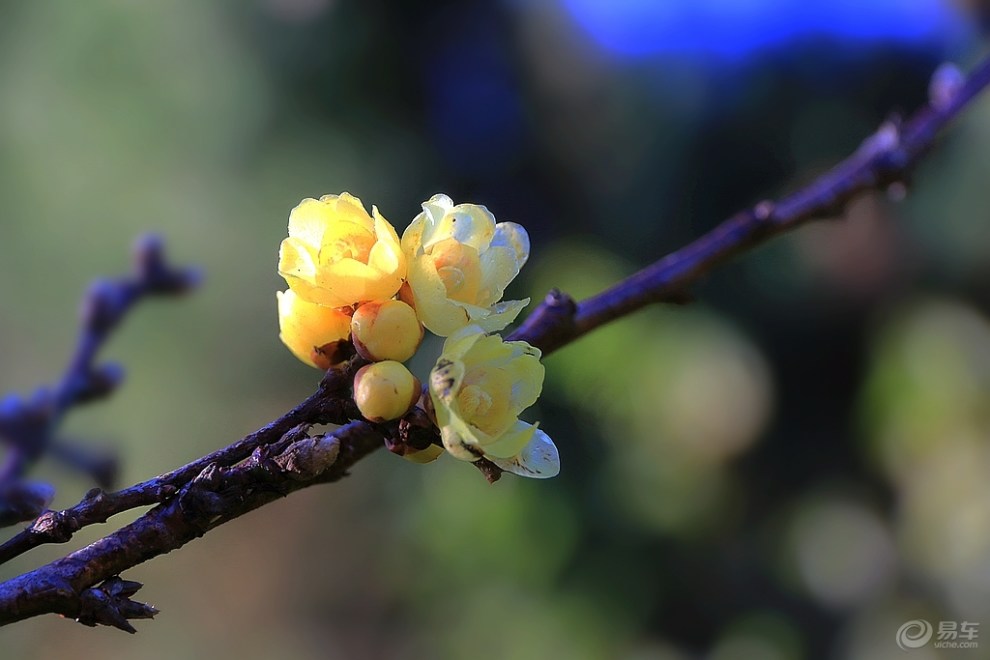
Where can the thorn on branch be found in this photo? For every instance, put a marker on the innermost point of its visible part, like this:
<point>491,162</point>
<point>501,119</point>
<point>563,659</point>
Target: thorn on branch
<point>110,604</point>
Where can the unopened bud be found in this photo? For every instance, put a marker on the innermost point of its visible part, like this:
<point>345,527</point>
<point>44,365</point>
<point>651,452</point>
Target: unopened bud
<point>386,331</point>
<point>385,390</point>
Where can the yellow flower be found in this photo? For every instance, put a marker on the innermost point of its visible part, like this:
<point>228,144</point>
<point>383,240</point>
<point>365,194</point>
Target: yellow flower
<point>311,331</point>
<point>460,262</point>
<point>479,386</point>
<point>337,255</point>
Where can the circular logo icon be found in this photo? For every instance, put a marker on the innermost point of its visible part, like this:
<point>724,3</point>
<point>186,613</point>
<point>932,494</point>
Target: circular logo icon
<point>914,634</point>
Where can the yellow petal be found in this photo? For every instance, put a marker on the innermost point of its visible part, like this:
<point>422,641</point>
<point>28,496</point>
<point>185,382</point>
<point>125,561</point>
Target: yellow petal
<point>469,224</point>
<point>297,259</point>
<point>458,446</point>
<point>438,314</point>
<point>356,282</point>
<point>526,374</point>
<point>315,294</point>
<point>427,455</point>
<point>348,208</point>
<point>412,237</point>
<point>344,239</point>
<point>388,260</point>
<point>456,346</point>
<point>384,231</point>
<point>308,220</point>
<point>445,381</point>
<point>502,315</point>
<point>305,326</point>
<point>459,268</point>
<point>484,401</point>
<point>498,267</point>
<point>513,236</point>
<point>487,349</point>
<point>510,443</point>
<point>437,205</point>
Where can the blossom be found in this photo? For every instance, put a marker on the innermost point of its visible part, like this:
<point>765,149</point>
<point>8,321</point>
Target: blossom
<point>337,255</point>
<point>459,263</point>
<point>478,387</point>
<point>311,331</point>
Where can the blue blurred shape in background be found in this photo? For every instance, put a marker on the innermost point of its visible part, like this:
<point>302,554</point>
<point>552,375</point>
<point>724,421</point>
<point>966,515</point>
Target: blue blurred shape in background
<point>736,29</point>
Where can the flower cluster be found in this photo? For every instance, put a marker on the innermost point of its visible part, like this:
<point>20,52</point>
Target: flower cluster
<point>353,283</point>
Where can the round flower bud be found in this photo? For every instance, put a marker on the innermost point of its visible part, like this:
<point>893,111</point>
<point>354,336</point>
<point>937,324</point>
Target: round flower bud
<point>386,330</point>
<point>385,390</point>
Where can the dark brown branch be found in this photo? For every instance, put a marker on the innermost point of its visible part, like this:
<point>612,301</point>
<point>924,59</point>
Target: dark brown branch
<point>885,159</point>
<point>269,463</point>
<point>329,405</point>
<point>215,496</point>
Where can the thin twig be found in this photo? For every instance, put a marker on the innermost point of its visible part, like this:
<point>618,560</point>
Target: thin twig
<point>28,426</point>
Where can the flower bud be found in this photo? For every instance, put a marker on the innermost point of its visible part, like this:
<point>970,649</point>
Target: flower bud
<point>386,330</point>
<point>385,390</point>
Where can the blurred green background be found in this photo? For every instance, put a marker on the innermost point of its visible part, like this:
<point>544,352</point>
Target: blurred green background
<point>790,468</point>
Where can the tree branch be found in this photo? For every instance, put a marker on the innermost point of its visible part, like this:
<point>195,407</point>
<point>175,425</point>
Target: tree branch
<point>279,458</point>
<point>213,497</point>
<point>330,404</point>
<point>884,159</point>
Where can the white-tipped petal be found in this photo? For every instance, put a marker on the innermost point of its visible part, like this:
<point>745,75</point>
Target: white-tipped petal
<point>537,460</point>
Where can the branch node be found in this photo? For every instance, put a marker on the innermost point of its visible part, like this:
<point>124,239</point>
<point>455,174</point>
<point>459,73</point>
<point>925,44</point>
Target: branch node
<point>55,526</point>
<point>309,457</point>
<point>552,321</point>
<point>764,211</point>
<point>110,604</point>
